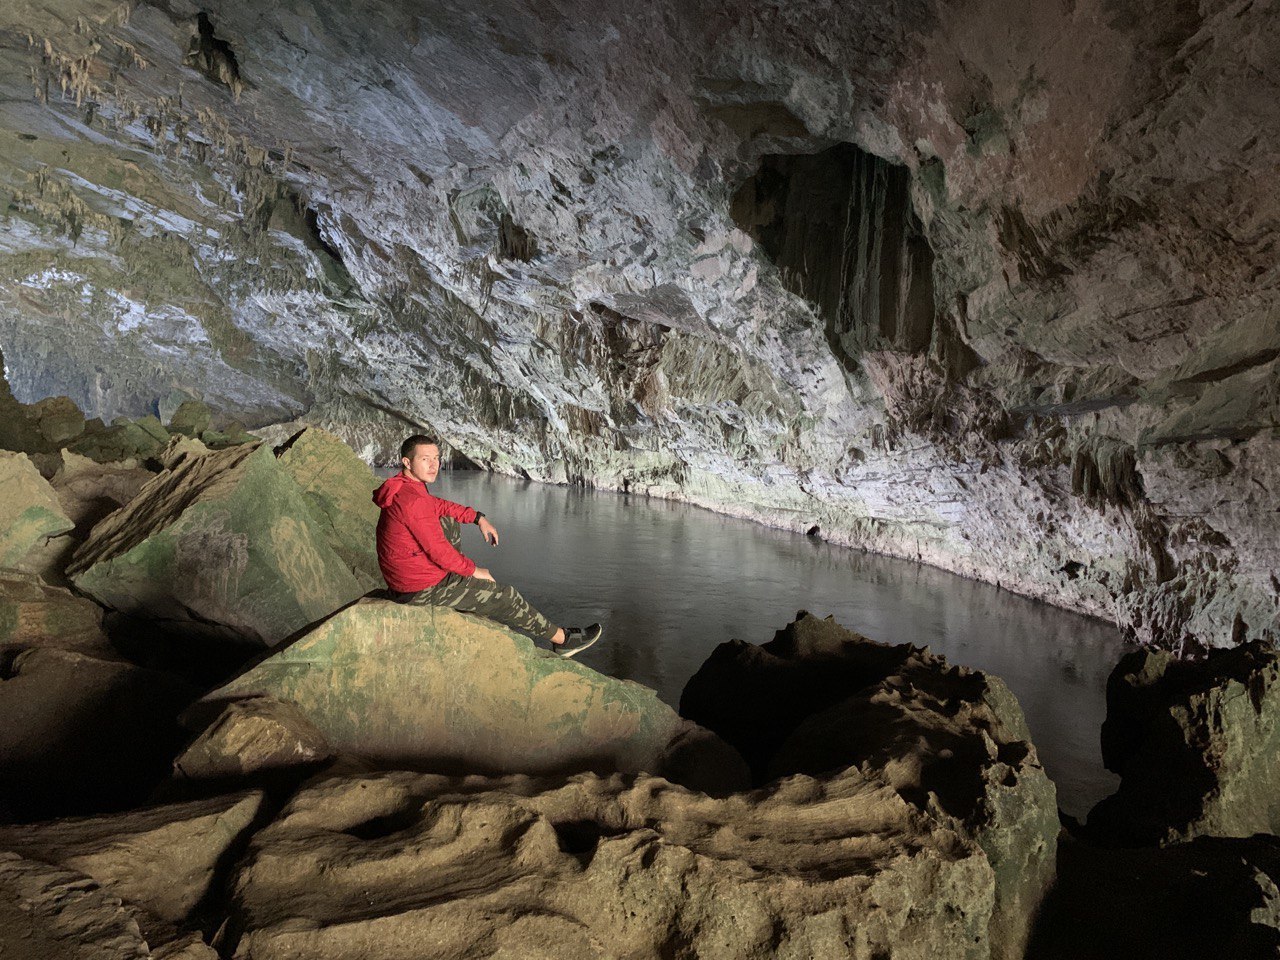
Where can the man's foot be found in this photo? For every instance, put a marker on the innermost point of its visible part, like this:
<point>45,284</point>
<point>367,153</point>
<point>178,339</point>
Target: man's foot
<point>577,639</point>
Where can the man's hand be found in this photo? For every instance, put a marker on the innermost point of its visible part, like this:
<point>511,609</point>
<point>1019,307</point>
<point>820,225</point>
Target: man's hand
<point>482,573</point>
<point>489,532</point>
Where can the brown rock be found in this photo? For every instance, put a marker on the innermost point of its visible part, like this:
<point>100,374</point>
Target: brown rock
<point>255,736</point>
<point>30,517</point>
<point>163,860</point>
<point>33,613</point>
<point>952,741</point>
<point>591,866</point>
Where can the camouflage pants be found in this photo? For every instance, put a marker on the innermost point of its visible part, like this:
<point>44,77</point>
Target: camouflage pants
<point>497,601</point>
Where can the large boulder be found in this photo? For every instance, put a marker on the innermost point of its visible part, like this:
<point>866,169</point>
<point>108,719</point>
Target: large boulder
<point>338,486</point>
<point>78,734</point>
<point>432,688</point>
<point>125,439</point>
<point>224,544</point>
<point>161,861</point>
<point>590,866</point>
<point>1196,744</point>
<point>951,741</point>
<point>30,516</point>
<point>35,614</point>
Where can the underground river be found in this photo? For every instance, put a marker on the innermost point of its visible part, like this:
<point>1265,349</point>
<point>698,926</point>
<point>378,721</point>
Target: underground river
<point>670,582</point>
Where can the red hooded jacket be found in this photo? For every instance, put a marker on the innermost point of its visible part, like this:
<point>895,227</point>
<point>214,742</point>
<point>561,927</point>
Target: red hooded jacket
<point>413,552</point>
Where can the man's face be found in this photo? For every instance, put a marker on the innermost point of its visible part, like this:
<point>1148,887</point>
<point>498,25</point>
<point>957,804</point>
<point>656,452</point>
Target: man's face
<point>424,465</point>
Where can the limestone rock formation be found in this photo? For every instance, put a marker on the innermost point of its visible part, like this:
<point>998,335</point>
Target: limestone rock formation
<point>223,543</point>
<point>161,861</point>
<point>33,613</point>
<point>338,488</point>
<point>30,516</point>
<point>1209,897</point>
<point>79,734</point>
<point>89,490</point>
<point>591,866</point>
<point>430,688</point>
<point>254,737</point>
<point>950,740</point>
<point>47,913</point>
<point>990,289</point>
<point>1197,746</point>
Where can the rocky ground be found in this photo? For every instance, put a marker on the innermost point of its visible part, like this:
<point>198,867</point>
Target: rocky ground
<point>991,289</point>
<point>204,756</point>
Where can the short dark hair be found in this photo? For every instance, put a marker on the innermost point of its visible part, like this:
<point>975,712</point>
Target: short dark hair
<point>412,444</point>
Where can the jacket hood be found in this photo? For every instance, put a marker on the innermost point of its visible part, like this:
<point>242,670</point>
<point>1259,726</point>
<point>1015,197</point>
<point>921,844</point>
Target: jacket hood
<point>392,487</point>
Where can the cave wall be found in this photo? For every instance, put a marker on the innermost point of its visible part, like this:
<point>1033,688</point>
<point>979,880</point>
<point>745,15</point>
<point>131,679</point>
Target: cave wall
<point>992,288</point>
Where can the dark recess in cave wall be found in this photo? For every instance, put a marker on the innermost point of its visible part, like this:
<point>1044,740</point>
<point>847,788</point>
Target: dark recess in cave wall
<point>840,227</point>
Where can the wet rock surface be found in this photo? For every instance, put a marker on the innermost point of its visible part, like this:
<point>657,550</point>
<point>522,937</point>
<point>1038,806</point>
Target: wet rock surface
<point>1197,745</point>
<point>952,741</point>
<point>591,866</point>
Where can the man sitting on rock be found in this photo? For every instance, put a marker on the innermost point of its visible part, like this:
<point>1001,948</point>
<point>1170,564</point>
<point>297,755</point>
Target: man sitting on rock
<point>418,550</point>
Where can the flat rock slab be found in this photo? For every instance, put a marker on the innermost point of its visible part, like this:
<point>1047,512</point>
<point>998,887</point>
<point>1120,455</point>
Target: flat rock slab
<point>1196,744</point>
<point>428,687</point>
<point>30,515</point>
<point>163,860</point>
<point>223,543</point>
<point>589,867</point>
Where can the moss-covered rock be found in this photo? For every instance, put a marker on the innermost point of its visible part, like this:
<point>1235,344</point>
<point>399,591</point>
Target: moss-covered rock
<point>1196,744</point>
<point>30,516</point>
<point>223,543</point>
<point>192,418</point>
<point>431,687</point>
<point>124,440</point>
<point>338,487</point>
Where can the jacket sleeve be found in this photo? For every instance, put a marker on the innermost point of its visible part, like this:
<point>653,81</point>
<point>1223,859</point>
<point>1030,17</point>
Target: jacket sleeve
<point>456,510</point>
<point>424,524</point>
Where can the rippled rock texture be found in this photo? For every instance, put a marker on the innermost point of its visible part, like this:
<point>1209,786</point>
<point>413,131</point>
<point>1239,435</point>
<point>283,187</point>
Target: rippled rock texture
<point>595,866</point>
<point>952,741</point>
<point>993,289</point>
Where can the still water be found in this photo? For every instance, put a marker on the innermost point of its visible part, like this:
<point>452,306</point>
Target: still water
<point>670,582</point>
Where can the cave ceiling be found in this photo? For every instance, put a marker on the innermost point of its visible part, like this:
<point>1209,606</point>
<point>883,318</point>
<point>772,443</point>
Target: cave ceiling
<point>991,287</point>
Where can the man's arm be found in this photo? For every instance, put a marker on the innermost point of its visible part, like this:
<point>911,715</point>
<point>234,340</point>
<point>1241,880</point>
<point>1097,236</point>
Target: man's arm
<point>465,514</point>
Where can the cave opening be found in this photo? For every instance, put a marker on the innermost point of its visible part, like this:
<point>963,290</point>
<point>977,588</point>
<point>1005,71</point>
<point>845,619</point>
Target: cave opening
<point>841,228</point>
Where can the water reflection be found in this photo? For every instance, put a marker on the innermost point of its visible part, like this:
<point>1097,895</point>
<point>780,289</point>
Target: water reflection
<point>670,582</point>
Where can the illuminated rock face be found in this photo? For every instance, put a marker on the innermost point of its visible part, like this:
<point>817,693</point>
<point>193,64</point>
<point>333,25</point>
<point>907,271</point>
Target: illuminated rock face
<point>924,276</point>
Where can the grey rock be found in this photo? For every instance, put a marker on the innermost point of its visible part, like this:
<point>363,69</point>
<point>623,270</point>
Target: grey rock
<point>1197,746</point>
